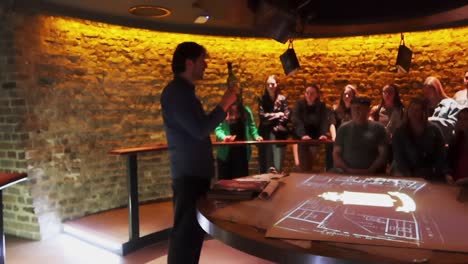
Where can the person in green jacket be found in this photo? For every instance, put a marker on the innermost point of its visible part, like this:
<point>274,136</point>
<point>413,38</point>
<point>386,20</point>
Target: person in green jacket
<point>239,125</point>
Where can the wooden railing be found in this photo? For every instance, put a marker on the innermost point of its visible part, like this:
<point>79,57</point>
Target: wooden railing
<point>7,179</point>
<point>135,150</point>
<point>135,241</point>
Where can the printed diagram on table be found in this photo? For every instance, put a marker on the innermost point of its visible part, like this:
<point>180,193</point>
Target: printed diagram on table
<point>360,209</point>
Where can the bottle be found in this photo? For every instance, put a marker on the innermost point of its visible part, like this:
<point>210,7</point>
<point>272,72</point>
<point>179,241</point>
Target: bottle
<point>231,79</point>
<point>233,82</point>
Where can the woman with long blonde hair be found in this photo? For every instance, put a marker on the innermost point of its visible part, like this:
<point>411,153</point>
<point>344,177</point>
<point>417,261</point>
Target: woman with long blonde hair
<point>444,109</point>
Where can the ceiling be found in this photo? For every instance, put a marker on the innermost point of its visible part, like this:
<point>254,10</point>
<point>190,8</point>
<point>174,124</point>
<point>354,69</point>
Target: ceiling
<point>276,19</point>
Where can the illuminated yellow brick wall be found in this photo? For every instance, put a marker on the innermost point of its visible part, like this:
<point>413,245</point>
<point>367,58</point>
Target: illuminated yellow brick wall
<point>91,87</point>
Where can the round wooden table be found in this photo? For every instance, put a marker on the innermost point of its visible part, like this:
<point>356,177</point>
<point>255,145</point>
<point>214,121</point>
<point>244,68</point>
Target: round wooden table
<point>243,225</point>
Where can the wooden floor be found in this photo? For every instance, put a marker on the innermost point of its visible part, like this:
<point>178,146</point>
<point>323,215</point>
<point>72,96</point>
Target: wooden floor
<point>113,226</point>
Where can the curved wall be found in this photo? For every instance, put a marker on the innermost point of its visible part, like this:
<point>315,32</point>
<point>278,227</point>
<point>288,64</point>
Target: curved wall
<point>72,90</point>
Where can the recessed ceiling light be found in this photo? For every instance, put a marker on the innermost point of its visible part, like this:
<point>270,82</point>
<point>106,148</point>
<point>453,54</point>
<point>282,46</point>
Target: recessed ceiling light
<point>149,11</point>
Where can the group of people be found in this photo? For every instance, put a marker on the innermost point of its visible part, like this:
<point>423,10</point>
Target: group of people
<point>239,125</point>
<point>417,140</point>
<point>427,138</point>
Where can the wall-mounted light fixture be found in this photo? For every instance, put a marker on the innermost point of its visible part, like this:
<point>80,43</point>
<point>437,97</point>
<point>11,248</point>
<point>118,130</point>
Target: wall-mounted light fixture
<point>204,14</point>
<point>149,11</point>
<point>403,61</point>
<point>289,60</point>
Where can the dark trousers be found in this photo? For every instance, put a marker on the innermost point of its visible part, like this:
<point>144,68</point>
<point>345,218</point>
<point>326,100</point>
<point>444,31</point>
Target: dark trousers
<point>329,156</point>
<point>187,236</point>
<point>265,156</point>
<point>307,157</point>
<point>236,165</point>
<point>271,155</point>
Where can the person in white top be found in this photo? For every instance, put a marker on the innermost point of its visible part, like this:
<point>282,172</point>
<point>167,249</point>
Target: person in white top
<point>462,96</point>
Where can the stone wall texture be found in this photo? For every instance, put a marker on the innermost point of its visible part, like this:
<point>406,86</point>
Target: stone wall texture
<point>71,90</point>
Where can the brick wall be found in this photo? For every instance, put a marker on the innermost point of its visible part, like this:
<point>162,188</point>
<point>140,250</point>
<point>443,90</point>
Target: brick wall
<point>18,208</point>
<point>77,89</point>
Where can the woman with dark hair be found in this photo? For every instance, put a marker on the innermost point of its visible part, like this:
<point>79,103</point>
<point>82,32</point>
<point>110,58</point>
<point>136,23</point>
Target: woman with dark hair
<point>418,145</point>
<point>389,113</point>
<point>458,151</point>
<point>239,125</point>
<point>340,114</point>
<point>390,110</point>
<point>274,117</point>
<point>311,121</point>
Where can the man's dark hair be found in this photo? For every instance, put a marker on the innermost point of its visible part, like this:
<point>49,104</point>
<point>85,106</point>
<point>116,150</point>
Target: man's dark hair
<point>361,100</point>
<point>184,51</point>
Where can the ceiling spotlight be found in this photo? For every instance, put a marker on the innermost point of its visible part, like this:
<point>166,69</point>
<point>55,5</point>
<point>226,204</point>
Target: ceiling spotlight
<point>202,19</point>
<point>149,11</point>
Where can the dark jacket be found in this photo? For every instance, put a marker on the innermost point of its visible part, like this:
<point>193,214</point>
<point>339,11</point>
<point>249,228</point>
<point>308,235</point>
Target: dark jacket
<point>223,130</point>
<point>421,156</point>
<point>312,120</point>
<point>188,130</point>
<point>268,121</point>
<point>455,149</point>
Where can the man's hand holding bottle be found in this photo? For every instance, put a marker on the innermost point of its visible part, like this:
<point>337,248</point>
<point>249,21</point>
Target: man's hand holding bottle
<point>229,97</point>
<point>233,89</point>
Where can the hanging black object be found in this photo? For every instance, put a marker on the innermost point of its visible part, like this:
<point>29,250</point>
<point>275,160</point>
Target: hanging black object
<point>289,60</point>
<point>403,61</point>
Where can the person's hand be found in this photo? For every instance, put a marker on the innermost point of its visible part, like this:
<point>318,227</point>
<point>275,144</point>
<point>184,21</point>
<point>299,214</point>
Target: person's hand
<point>449,179</point>
<point>234,85</point>
<point>306,137</point>
<point>230,138</point>
<point>229,97</point>
<point>280,128</point>
<point>462,181</point>
<point>323,137</point>
<point>274,116</point>
<point>259,138</point>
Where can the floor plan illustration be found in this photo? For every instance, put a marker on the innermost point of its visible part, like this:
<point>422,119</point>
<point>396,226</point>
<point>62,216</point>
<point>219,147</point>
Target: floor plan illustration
<point>350,182</point>
<point>367,210</point>
<point>320,217</point>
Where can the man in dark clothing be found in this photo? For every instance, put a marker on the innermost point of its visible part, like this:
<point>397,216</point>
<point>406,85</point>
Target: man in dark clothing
<point>360,145</point>
<point>188,130</point>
